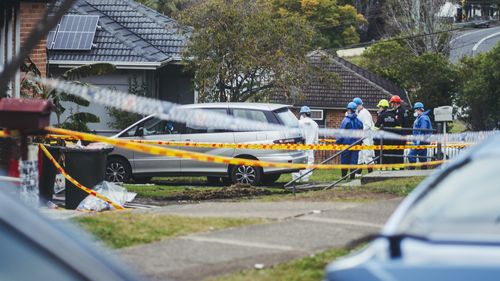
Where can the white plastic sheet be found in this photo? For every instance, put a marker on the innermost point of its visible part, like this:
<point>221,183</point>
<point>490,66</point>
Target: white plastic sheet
<point>114,192</point>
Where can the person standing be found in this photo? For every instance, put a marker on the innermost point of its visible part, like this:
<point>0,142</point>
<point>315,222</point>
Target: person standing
<point>310,131</point>
<point>403,121</point>
<point>365,156</point>
<point>386,120</point>
<point>421,127</point>
<point>350,122</point>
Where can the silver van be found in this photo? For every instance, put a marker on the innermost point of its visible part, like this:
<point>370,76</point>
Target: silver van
<point>124,165</point>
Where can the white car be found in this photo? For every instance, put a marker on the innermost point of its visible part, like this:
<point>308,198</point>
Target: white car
<point>124,165</point>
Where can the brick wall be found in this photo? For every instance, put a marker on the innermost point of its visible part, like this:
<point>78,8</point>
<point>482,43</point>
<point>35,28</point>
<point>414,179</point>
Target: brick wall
<point>30,14</point>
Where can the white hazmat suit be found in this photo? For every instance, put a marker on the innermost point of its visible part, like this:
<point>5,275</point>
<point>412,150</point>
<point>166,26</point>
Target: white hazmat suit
<point>310,132</point>
<point>366,156</point>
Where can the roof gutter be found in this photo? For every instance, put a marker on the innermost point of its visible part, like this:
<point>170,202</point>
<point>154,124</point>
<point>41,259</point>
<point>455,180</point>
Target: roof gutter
<point>118,64</point>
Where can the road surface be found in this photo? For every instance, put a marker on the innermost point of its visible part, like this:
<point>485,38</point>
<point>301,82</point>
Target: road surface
<point>472,42</point>
<point>298,229</point>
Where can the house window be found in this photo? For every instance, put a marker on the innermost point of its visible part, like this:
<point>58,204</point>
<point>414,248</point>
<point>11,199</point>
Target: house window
<point>317,114</point>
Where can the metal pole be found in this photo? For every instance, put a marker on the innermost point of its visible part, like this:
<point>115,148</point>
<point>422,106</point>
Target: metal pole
<point>9,40</point>
<point>17,49</point>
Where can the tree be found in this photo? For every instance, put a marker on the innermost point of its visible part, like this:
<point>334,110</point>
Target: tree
<point>123,119</point>
<point>420,23</point>
<point>167,7</point>
<point>336,25</point>
<point>479,94</point>
<point>76,120</point>
<point>429,78</point>
<point>241,50</point>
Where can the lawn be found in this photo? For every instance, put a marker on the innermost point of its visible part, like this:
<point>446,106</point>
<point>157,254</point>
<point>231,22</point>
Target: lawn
<point>377,190</point>
<point>123,229</point>
<point>306,269</point>
<point>196,189</point>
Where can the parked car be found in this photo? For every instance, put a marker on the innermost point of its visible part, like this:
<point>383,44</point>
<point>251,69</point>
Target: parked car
<point>35,248</point>
<point>481,22</point>
<point>448,228</point>
<point>124,165</point>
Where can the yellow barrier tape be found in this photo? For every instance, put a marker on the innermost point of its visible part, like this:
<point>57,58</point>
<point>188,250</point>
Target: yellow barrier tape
<point>76,183</point>
<point>170,152</point>
<point>273,146</point>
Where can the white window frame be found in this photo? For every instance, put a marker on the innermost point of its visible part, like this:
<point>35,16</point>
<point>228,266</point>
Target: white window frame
<point>321,111</point>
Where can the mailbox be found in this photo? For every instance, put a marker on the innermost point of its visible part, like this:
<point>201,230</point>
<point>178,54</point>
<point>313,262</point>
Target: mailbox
<point>25,115</point>
<point>443,114</point>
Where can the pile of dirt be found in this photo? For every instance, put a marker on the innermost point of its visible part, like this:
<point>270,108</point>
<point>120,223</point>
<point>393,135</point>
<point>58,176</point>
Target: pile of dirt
<point>233,191</point>
<point>236,191</point>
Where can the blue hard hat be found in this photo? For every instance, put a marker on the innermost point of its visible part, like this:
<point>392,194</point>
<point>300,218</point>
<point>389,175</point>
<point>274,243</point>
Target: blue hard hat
<point>352,106</point>
<point>305,109</point>
<point>418,105</point>
<point>357,101</point>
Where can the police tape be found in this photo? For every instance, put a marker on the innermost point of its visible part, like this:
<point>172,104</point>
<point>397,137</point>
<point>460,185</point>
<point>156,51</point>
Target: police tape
<point>274,146</point>
<point>75,182</point>
<point>260,146</point>
<point>170,152</point>
<point>174,112</point>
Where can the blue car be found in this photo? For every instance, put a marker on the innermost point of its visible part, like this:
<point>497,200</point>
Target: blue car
<point>448,228</point>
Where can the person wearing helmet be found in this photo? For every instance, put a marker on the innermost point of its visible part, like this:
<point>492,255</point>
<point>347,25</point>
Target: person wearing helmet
<point>421,127</point>
<point>310,131</point>
<point>365,156</point>
<point>350,122</point>
<point>403,121</point>
<point>386,120</point>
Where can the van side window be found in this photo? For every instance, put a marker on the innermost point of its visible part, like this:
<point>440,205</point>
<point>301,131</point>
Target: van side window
<point>254,115</point>
<point>155,126</point>
<point>192,128</point>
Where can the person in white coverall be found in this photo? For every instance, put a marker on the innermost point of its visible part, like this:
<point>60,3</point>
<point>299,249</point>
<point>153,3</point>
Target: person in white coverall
<point>365,156</point>
<point>310,132</point>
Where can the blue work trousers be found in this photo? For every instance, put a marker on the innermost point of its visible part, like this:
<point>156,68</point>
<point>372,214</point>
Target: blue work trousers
<point>417,152</point>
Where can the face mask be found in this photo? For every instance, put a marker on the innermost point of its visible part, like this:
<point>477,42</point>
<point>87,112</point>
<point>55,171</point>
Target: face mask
<point>415,114</point>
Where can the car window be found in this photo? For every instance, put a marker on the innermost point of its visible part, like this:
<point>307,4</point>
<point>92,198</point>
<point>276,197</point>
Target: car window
<point>192,128</point>
<point>23,260</point>
<point>287,118</point>
<point>465,203</point>
<point>129,133</point>
<point>254,115</point>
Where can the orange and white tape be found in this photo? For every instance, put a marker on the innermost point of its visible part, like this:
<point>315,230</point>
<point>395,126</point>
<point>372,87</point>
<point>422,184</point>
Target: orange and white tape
<point>76,183</point>
<point>170,152</point>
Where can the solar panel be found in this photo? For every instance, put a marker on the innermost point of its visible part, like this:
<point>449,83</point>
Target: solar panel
<point>74,32</point>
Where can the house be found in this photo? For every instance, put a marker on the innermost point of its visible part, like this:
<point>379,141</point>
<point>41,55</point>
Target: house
<point>17,20</point>
<point>143,44</point>
<point>328,102</point>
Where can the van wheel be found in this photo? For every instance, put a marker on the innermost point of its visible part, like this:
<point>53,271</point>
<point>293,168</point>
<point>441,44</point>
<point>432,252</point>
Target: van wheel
<point>118,170</point>
<point>270,179</point>
<point>246,175</point>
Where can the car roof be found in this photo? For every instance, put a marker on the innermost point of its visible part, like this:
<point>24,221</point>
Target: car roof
<point>244,105</point>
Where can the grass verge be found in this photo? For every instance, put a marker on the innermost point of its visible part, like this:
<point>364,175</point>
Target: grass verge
<point>306,269</point>
<point>377,190</point>
<point>399,187</point>
<point>124,229</point>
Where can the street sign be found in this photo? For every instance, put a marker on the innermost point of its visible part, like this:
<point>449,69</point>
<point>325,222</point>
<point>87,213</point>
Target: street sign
<point>443,114</point>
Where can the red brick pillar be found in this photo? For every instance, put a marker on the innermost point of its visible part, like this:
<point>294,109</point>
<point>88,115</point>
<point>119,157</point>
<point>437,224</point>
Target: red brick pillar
<point>30,15</point>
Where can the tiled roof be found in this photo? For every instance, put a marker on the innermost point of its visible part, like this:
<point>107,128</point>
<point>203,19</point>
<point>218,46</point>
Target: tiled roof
<point>130,32</point>
<point>353,82</point>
